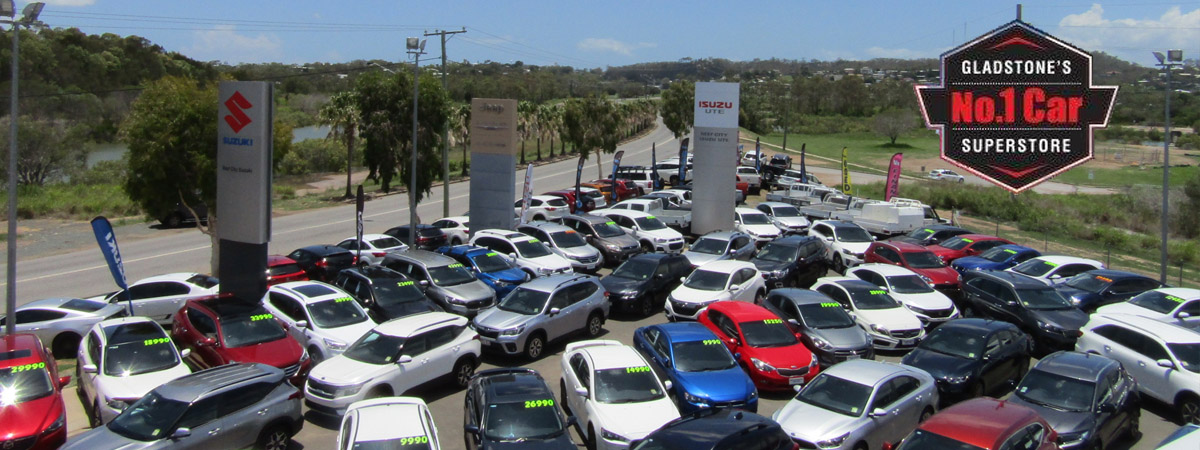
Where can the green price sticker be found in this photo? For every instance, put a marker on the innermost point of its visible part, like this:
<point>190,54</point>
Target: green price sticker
<point>28,367</point>
<point>1051,264</point>
<point>343,299</point>
<point>650,217</point>
<point>831,305</point>
<point>404,283</point>
<point>610,223</point>
<point>928,231</point>
<point>773,321</point>
<point>491,254</point>
<point>414,440</point>
<point>1010,251</point>
<point>1174,299</point>
<point>455,266</point>
<point>877,292</point>
<point>538,403</point>
<point>711,342</point>
<point>636,369</point>
<point>258,317</point>
<point>149,342</point>
<point>967,240</point>
<point>535,241</point>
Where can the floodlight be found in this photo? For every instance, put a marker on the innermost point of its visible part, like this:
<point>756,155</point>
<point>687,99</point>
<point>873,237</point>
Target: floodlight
<point>423,45</point>
<point>31,12</point>
<point>1160,57</point>
<point>1175,55</point>
<point>7,9</point>
<point>412,43</point>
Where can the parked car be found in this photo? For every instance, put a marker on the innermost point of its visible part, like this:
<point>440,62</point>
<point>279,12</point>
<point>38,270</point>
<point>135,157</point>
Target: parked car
<point>972,358</point>
<point>945,175</point>
<point>428,237</point>
<point>650,232</point>
<point>613,392</point>
<point>756,224</point>
<point>323,262</point>
<point>510,407</point>
<point>232,406</point>
<point>931,235</point>
<point>714,282</point>
<point>859,404</point>
<point>385,293</point>
<point>822,324</point>
<point>791,261</point>
<point>846,242</point>
<point>594,195</point>
<point>1089,400</point>
<point>1163,358</point>
<point>528,252</point>
<point>1096,288</point>
<point>641,176</point>
<point>541,311</point>
<point>998,258</point>
<point>717,429</point>
<point>1179,306</point>
<point>965,245</point>
<point>222,330</point>
<point>456,228</point>
<point>911,290</point>
<point>181,214</point>
<point>605,235</point>
<point>764,345</point>
<point>702,372</point>
<point>625,189</point>
<point>890,325</point>
<point>1184,438</point>
<point>158,297</point>
<point>658,207</point>
<point>1039,310</point>
<point>1055,269</point>
<point>785,216</point>
<point>983,423</point>
<point>567,243</point>
<point>388,422</point>
<point>281,269</point>
<point>33,416</point>
<point>447,282</point>
<point>373,247</point>
<point>916,259</point>
<point>493,269</point>
<point>119,360</point>
<point>321,317</point>
<point>751,176</point>
<point>393,358</point>
<point>542,207</point>
<point>643,282</point>
<point>720,246</point>
<point>62,322</point>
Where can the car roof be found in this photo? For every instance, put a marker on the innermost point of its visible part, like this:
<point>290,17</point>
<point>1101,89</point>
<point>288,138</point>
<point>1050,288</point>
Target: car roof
<point>656,257</point>
<point>630,213</point>
<point>940,227</point>
<point>1016,280</point>
<point>465,250</point>
<point>801,296</point>
<point>608,354</point>
<point>513,385</point>
<point>227,306</point>
<point>743,311</point>
<point>848,282</point>
<point>190,387</point>
<point>776,204</point>
<point>550,283</point>
<point>1115,274</point>
<point>983,326</point>
<point>549,227</point>
<point>1168,332</point>
<point>19,349</point>
<point>980,421</point>
<point>885,269</point>
<point>746,210</point>
<point>372,272</point>
<point>685,331</point>
<point>57,302</point>
<point>409,325</point>
<point>1184,293</point>
<point>710,426</point>
<point>389,418</point>
<point>865,371</point>
<point>323,249</point>
<point>1063,259</point>
<point>293,286</point>
<point>902,247</point>
<point>979,237</point>
<point>129,329</point>
<point>424,257</point>
<point>1078,365</point>
<point>368,237</point>
<point>726,266</point>
<point>456,218</point>
<point>724,235</point>
<point>795,239</point>
<point>181,277</point>
<point>545,198</point>
<point>504,234</point>
<point>279,260</point>
<point>1015,247</point>
<point>838,223</point>
<point>589,218</point>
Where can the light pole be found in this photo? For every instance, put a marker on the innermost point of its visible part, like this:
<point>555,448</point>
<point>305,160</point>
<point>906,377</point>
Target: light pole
<point>381,66</point>
<point>1171,59</point>
<point>28,19</point>
<point>416,47</point>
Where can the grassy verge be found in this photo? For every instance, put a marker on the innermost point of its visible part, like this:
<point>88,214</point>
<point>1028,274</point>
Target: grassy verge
<point>73,202</point>
<point>1126,176</point>
<point>867,149</point>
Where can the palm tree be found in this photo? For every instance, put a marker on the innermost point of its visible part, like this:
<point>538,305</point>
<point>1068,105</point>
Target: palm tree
<point>525,111</point>
<point>343,118</point>
<point>460,129</point>
<point>549,118</point>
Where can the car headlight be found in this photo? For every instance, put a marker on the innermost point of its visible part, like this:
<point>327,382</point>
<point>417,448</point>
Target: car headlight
<point>880,330</point>
<point>916,309</point>
<point>456,301</point>
<point>58,424</point>
<point>956,379</point>
<point>629,294</point>
<point>662,240</point>
<point>762,366</point>
<point>822,344</point>
<point>927,279</point>
<point>612,247</point>
<point>513,331</point>
<point>346,391</point>
<point>1071,439</point>
<point>545,270</point>
<point>119,404</point>
<point>847,251</point>
<point>693,399</point>
<point>304,355</point>
<point>812,359</point>
<point>335,345</point>
<point>610,436</point>
<point>833,443</point>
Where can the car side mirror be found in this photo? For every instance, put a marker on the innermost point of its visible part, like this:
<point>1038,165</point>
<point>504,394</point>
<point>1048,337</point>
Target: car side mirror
<point>878,412</point>
<point>423,283</point>
<point>208,341</point>
<point>735,288</point>
<point>661,276</point>
<point>934,241</point>
<point>1183,315</point>
<point>682,279</point>
<point>404,359</point>
<point>1166,363</point>
<point>668,385</point>
<point>793,322</point>
<point>572,421</point>
<point>88,368</point>
<point>1107,408</point>
<point>873,238</point>
<point>185,353</point>
<point>63,381</point>
<point>581,391</point>
<point>181,433</point>
<point>1054,276</point>
<point>473,429</point>
<point>554,311</point>
<point>512,255</point>
<point>1011,303</point>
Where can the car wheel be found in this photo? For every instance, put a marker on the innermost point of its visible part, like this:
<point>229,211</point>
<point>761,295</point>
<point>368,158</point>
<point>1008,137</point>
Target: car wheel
<point>65,345</point>
<point>839,266</point>
<point>94,420</point>
<point>595,324</point>
<point>463,370</point>
<point>759,297</point>
<point>926,414</point>
<point>861,446</point>
<point>315,355</point>
<point>539,217</point>
<point>534,346</point>
<point>590,439</point>
<point>647,248</point>
<point>1189,410</point>
<point>175,220</point>
<point>646,305</point>
<point>562,396</point>
<point>274,438</point>
<point>455,242</point>
<point>1135,426</point>
<point>674,180</point>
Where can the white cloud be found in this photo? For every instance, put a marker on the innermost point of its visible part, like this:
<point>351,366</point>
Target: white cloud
<point>1131,39</point>
<point>611,45</point>
<point>225,44</point>
<point>69,2</point>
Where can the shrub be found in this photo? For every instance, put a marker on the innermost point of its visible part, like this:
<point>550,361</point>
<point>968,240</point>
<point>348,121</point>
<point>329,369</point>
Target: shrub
<point>314,155</point>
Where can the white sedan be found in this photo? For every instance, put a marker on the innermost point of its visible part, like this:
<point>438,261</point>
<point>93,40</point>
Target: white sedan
<point>1180,306</point>
<point>890,325</point>
<point>159,297</point>
<point>613,393</point>
<point>714,282</point>
<point>1055,269</point>
<point>120,360</point>
<point>389,422</point>
<point>373,248</point>
<point>62,322</point>
<point>908,288</point>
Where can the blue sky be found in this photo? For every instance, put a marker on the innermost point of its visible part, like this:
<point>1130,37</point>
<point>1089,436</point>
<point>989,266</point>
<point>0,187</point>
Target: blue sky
<point>600,33</point>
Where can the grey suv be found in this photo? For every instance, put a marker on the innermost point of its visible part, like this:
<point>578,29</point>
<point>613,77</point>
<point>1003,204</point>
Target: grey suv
<point>542,310</point>
<point>448,283</point>
<point>567,243</point>
<point>604,234</point>
<point>231,406</point>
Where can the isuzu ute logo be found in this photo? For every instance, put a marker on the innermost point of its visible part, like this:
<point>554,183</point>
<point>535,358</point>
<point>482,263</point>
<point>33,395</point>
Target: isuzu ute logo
<point>723,105</point>
<point>237,118</point>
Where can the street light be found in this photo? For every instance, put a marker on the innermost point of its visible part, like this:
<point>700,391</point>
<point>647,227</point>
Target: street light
<point>28,19</point>
<point>381,66</point>
<point>1171,59</point>
<point>416,47</point>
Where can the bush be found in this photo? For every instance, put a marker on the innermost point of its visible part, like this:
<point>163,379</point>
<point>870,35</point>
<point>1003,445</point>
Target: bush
<point>104,172</point>
<point>314,155</point>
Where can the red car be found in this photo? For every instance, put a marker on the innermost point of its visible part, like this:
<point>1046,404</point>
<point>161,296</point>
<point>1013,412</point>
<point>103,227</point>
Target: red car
<point>281,269</point>
<point>982,423</point>
<point>625,189</point>
<point>965,245</point>
<point>32,413</point>
<point>766,347</point>
<point>917,259</point>
<point>222,330</point>
<point>568,195</point>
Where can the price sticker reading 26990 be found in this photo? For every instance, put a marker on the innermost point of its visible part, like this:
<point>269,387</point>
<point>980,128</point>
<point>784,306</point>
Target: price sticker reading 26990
<point>1016,106</point>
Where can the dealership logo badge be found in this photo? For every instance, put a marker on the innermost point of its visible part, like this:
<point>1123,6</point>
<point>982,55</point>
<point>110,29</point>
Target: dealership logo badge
<point>237,118</point>
<point>1016,106</point>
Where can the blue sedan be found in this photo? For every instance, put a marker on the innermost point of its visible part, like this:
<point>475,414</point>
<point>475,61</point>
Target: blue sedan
<point>996,258</point>
<point>702,371</point>
<point>494,269</point>
<point>1096,288</point>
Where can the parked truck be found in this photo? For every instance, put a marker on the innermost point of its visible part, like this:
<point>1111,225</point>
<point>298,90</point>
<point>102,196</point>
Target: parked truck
<point>889,219</point>
<point>931,216</point>
<point>800,194</point>
<point>678,219</point>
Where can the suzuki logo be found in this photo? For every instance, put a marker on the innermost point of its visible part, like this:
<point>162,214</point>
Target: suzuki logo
<point>237,118</point>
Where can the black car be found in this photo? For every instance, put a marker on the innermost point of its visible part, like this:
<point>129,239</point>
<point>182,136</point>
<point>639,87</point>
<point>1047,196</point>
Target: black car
<point>931,235</point>
<point>429,237</point>
<point>1096,288</point>
<point>385,293</point>
<point>717,429</point>
<point>323,262</point>
<point>1037,309</point>
<point>972,357</point>
<point>513,408</point>
<point>643,282</point>
<point>792,261</point>
<point>1088,399</point>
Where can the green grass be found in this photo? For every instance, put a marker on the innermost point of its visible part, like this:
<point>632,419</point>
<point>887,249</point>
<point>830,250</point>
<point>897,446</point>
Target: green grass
<point>1126,176</point>
<point>866,149</point>
<point>77,202</point>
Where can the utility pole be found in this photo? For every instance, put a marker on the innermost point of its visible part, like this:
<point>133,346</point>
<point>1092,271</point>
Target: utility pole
<point>445,133</point>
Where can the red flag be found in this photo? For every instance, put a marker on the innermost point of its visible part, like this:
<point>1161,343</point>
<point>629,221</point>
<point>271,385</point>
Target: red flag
<point>893,177</point>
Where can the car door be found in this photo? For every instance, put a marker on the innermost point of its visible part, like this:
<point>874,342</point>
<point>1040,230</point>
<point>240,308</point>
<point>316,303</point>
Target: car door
<point>38,321</point>
<point>89,354</point>
<point>579,308</point>
<point>1192,309</point>
<point>289,311</point>
<point>1108,423</point>
<point>417,371</point>
<point>144,298</point>
<point>1144,367</point>
<point>579,376</point>
<point>838,295</point>
<point>558,324</point>
<point>444,349</point>
<point>201,419</point>
<point>242,414</point>
<point>741,248</point>
<point>203,339</point>
<point>737,287</point>
<point>904,404</point>
<point>996,368</point>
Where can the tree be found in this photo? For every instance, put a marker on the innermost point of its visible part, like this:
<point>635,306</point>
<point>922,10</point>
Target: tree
<point>678,107</point>
<point>47,150</point>
<point>894,122</point>
<point>460,130</point>
<point>341,114</point>
<point>592,123</point>
<point>1190,208</point>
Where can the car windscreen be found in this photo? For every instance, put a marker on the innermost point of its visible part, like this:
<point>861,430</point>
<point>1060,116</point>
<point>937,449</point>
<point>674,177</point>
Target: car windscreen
<point>627,385</point>
<point>825,315</point>
<point>1034,268</point>
<point>394,291</point>
<point>248,329</point>
<point>337,312</point>
<point>386,242</point>
<point>1056,391</point>
<point>909,284</point>
<point>524,301</point>
<point>283,269</point>
<point>19,384</point>
<point>956,243</point>
<point>953,342</point>
<point>923,260</point>
<point>701,356</point>
<point>1157,301</point>
<point>531,248</point>
<point>375,348</point>
<point>635,269</point>
<point>450,275</point>
<point>1188,355</point>
<point>204,281</point>
<point>608,229</point>
<point>836,394</point>
<point>76,304</point>
<point>1089,282</point>
<point>778,253</point>
<point>767,333</point>
<point>517,421</point>
<point>864,298</point>
<point>851,234</point>
<point>755,219</point>
<point>786,211</point>
<point>150,418</point>
<point>1043,299</point>
<point>405,443</point>
<point>137,357</point>
<point>920,234</point>
<point>998,254</point>
<point>650,223</point>
<point>707,280</point>
<point>710,246</point>
<point>491,262</point>
<point>568,239</point>
<point>926,440</point>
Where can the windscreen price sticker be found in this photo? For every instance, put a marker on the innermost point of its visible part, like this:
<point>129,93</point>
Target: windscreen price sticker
<point>1016,106</point>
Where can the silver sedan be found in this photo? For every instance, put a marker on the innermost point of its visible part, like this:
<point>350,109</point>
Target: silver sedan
<point>62,322</point>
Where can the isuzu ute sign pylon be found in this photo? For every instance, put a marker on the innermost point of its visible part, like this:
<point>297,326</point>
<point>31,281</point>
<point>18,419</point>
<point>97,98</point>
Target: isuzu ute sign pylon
<point>1016,106</point>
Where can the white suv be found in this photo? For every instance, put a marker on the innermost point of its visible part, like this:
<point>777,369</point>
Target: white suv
<point>756,224</point>
<point>397,421</point>
<point>908,288</point>
<point>531,254</point>
<point>847,242</point>
<point>373,248</point>
<point>648,230</point>
<point>321,317</point>
<point>713,282</point>
<point>543,207</point>
<point>890,325</point>
<point>1163,358</point>
<point>120,360</point>
<point>613,392</point>
<point>945,175</point>
<point>394,357</point>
